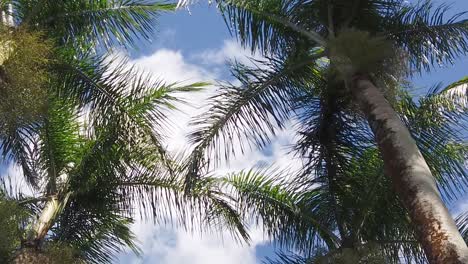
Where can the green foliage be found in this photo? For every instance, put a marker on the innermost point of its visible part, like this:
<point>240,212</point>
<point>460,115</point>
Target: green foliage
<point>342,184</point>
<point>23,78</point>
<point>60,142</point>
<point>11,219</point>
<point>95,232</point>
<point>61,253</point>
<point>87,24</point>
<point>427,33</point>
<point>436,122</point>
<point>263,102</point>
<point>96,127</point>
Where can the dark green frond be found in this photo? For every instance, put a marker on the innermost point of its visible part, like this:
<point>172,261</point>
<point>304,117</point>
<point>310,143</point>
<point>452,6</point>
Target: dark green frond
<point>165,200</point>
<point>90,23</point>
<point>97,233</point>
<point>383,220</point>
<point>251,112</point>
<point>16,145</point>
<point>59,142</point>
<point>290,217</point>
<point>271,26</point>
<point>427,35</point>
<point>287,258</point>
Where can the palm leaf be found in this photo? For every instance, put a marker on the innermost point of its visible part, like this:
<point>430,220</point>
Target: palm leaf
<point>291,218</point>
<point>252,111</point>
<point>98,235</point>
<point>59,142</point>
<point>427,35</point>
<point>98,22</point>
<point>436,122</point>
<point>462,223</point>
<point>119,95</point>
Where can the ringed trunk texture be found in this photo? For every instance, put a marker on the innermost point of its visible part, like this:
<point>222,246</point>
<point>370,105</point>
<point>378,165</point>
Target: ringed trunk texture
<point>411,177</point>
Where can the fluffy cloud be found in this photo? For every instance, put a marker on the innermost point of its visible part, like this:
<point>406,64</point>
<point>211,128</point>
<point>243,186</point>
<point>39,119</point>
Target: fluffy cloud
<point>171,67</point>
<point>166,245</point>
<point>229,51</point>
<point>461,206</point>
<point>12,176</point>
<point>170,245</point>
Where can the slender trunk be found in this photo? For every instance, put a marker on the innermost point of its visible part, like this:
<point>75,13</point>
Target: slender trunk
<point>30,251</point>
<point>411,177</point>
<point>47,217</point>
<point>6,15</point>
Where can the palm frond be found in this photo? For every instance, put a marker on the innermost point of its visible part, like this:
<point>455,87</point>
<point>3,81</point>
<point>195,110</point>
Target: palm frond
<point>290,217</point>
<point>97,233</point>
<point>436,122</point>
<point>271,26</point>
<point>427,35</point>
<point>462,223</point>
<point>288,258</point>
<point>59,142</point>
<point>97,22</point>
<point>454,95</point>
<point>254,111</point>
<point>122,97</point>
<point>383,220</point>
<point>165,200</point>
<point>17,145</point>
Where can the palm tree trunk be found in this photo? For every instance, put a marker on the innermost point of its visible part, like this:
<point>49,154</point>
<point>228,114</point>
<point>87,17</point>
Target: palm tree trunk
<point>47,217</point>
<point>30,250</point>
<point>411,177</point>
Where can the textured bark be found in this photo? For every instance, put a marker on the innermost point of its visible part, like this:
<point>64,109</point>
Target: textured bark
<point>47,217</point>
<point>411,177</point>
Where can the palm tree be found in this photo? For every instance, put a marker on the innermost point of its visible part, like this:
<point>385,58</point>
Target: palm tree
<point>95,166</point>
<point>356,38</point>
<point>93,181</point>
<point>61,39</point>
<point>87,131</point>
<point>341,208</point>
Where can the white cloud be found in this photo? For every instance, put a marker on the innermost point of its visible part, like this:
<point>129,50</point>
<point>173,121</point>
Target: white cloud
<point>170,65</point>
<point>461,206</point>
<point>12,175</point>
<point>169,245</point>
<point>229,51</point>
<point>176,246</point>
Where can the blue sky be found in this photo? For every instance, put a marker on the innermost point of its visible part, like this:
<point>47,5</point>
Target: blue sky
<point>194,46</point>
<point>190,40</point>
<point>448,73</point>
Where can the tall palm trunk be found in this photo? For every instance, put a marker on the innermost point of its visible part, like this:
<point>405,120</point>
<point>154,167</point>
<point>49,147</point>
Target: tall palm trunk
<point>30,251</point>
<point>411,177</point>
<point>47,218</point>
